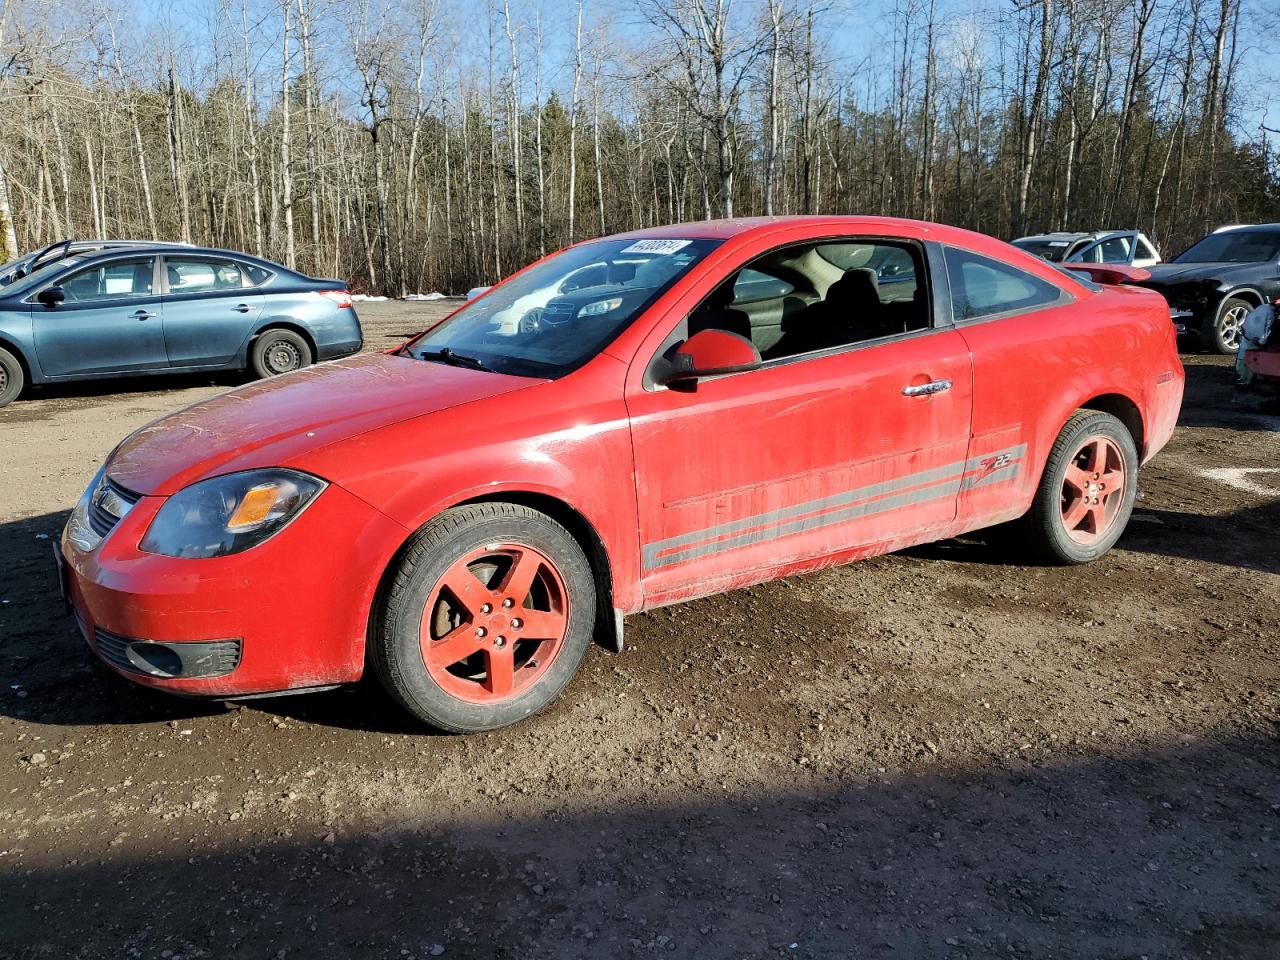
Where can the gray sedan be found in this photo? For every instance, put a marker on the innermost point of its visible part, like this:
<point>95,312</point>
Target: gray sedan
<point>167,309</point>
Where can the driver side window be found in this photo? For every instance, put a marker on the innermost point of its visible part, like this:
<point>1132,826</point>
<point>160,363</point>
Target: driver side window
<point>820,296</point>
<point>111,281</point>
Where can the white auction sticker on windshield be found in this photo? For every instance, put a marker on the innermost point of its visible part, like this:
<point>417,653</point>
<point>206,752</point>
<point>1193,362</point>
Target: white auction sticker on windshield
<point>656,246</point>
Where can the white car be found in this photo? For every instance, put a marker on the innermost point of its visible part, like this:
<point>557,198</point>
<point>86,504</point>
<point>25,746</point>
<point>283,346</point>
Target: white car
<point>1130,247</point>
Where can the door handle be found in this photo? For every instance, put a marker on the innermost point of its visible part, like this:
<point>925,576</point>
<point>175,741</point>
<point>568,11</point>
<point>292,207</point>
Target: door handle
<point>142,315</point>
<point>242,308</point>
<point>924,389</point>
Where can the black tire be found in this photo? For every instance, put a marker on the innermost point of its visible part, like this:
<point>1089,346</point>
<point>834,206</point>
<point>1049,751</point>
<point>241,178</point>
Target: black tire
<point>12,378</point>
<point>278,351</point>
<point>1223,336</point>
<point>396,642</point>
<point>1044,528</point>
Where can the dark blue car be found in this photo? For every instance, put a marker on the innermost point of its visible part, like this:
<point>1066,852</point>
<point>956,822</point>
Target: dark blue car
<point>167,309</point>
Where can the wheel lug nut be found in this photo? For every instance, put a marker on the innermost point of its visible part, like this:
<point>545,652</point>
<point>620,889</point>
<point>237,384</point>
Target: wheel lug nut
<point>499,641</point>
<point>481,631</point>
<point>486,608</point>
<point>508,603</point>
<point>517,623</point>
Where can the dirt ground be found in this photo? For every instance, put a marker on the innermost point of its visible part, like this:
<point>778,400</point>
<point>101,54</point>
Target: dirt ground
<point>930,754</point>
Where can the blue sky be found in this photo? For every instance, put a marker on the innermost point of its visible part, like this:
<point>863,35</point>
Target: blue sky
<point>864,41</point>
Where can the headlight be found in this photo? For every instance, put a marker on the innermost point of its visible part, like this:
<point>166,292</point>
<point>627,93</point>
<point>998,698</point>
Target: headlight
<point>229,514</point>
<point>599,307</point>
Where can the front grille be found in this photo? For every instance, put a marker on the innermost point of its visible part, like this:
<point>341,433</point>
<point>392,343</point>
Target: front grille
<point>102,520</point>
<point>114,649</point>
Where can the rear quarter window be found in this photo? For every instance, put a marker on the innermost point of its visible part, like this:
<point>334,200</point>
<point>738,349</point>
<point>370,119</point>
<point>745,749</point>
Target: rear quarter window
<point>982,287</point>
<point>256,275</point>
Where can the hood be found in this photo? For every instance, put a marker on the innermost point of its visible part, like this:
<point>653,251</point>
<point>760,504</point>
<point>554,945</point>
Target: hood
<point>270,422</point>
<point>1170,273</point>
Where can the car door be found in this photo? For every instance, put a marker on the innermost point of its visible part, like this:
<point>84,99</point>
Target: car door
<point>1015,324</point>
<point>210,307</point>
<point>110,321</point>
<point>811,455</point>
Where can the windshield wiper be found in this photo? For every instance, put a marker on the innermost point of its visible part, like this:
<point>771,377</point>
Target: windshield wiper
<point>447,355</point>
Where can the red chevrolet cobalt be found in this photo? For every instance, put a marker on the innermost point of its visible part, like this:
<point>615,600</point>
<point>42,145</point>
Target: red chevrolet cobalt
<point>631,422</point>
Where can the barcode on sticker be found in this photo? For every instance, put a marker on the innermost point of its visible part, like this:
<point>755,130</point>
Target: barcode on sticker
<point>656,246</point>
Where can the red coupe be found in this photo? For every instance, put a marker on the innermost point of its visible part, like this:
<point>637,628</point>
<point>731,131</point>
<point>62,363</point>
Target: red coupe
<point>673,412</point>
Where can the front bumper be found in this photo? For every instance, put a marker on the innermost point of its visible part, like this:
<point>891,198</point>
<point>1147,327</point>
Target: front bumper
<point>289,613</point>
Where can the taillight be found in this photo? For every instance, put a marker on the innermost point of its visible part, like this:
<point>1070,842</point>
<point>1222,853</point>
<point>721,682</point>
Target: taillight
<point>341,297</point>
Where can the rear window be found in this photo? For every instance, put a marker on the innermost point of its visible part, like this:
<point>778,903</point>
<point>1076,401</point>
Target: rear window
<point>894,266</point>
<point>1051,250</point>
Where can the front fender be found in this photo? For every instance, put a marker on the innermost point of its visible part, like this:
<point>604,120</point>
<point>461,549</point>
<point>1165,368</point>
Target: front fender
<point>568,440</point>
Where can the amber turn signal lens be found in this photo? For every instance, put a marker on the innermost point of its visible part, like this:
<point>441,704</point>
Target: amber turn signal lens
<point>254,508</point>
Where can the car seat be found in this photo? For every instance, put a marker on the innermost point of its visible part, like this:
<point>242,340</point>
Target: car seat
<point>851,311</point>
<point>717,313</point>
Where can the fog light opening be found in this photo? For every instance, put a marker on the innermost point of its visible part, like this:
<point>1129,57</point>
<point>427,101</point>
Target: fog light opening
<point>155,659</point>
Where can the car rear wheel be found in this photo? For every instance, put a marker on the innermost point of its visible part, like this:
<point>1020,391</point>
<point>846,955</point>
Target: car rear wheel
<point>1087,492</point>
<point>279,351</point>
<point>11,377</point>
<point>486,619</point>
<point>1225,333</point>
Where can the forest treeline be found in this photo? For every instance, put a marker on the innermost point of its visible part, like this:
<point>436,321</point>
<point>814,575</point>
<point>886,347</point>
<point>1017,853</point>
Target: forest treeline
<point>437,144</point>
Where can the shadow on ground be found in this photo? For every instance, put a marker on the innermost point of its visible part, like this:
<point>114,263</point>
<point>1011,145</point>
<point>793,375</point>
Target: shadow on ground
<point>1212,400</point>
<point>1230,539</point>
<point>1170,852</point>
<point>44,657</point>
<point>113,386</point>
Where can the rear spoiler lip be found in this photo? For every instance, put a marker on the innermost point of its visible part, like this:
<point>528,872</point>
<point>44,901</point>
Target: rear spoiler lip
<point>1111,274</point>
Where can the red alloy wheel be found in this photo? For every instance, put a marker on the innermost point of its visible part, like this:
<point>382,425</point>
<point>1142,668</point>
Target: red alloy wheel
<point>494,623</point>
<point>1093,489</point>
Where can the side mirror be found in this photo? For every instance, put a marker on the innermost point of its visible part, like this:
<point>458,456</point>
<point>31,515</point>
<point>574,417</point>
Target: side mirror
<point>51,296</point>
<point>710,353</point>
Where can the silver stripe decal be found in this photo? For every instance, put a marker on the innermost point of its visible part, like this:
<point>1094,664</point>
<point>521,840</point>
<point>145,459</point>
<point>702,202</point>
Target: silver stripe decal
<point>935,482</point>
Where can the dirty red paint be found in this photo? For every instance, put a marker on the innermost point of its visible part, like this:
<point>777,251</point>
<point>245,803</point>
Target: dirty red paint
<point>745,477</point>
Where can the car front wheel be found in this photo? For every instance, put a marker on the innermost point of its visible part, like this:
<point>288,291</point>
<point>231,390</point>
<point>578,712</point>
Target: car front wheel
<point>279,351</point>
<point>11,377</point>
<point>1224,336</point>
<point>486,619</point>
<point>1086,493</point>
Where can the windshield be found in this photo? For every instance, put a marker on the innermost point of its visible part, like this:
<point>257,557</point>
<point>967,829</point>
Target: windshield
<point>557,315</point>
<point>1051,250</point>
<point>1234,246</point>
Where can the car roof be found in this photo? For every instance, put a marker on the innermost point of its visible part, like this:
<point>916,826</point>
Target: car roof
<point>724,229</point>
<point>1068,235</point>
<point>186,249</point>
<point>120,243</point>
<point>1248,226</point>
<point>749,229</point>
